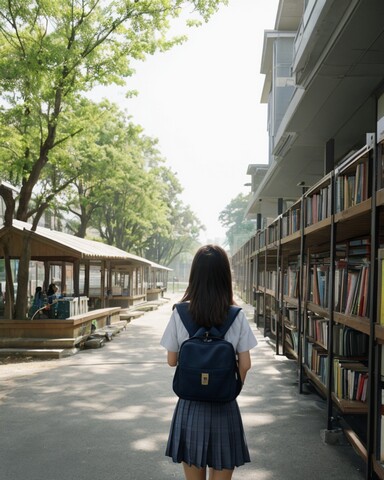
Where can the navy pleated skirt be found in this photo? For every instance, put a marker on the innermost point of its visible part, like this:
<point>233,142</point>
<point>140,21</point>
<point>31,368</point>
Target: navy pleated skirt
<point>207,434</point>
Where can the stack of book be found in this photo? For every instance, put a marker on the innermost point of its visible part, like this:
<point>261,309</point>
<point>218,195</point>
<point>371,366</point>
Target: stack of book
<point>352,187</point>
<point>317,359</point>
<point>318,329</point>
<point>348,342</point>
<point>350,380</point>
<point>318,206</point>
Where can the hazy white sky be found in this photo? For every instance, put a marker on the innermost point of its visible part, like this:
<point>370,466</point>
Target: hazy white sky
<point>202,101</point>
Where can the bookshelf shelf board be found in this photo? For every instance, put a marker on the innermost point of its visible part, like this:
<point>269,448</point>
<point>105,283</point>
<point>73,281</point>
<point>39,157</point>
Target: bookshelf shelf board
<point>345,406</point>
<point>318,226</point>
<point>270,292</point>
<point>291,248</point>
<point>316,380</point>
<point>291,300</point>
<point>353,212</point>
<point>313,307</point>
<point>355,441</point>
<point>273,244</point>
<point>293,237</point>
<point>316,342</point>
<point>349,406</point>
<point>379,333</point>
<point>378,467</point>
<point>358,323</point>
<point>289,326</point>
<point>289,351</point>
<point>380,197</point>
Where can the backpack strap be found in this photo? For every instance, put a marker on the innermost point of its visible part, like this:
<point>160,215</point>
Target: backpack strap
<point>232,314</point>
<point>193,328</point>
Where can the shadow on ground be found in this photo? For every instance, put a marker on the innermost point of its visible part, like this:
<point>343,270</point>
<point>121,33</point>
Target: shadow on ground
<point>106,413</point>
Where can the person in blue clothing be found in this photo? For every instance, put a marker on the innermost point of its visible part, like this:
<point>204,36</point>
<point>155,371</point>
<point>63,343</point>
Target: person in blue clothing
<point>208,437</point>
<point>39,298</point>
<point>51,292</point>
<point>38,304</point>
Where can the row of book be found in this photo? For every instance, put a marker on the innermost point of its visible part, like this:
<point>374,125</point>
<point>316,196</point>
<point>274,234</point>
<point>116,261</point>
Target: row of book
<point>318,206</point>
<point>317,329</point>
<point>268,278</point>
<point>292,315</point>
<point>352,288</point>
<point>272,233</point>
<point>291,221</point>
<point>348,342</point>
<point>350,379</point>
<point>291,281</point>
<point>319,284</point>
<point>352,188</point>
<point>351,280</point>
<point>317,361</point>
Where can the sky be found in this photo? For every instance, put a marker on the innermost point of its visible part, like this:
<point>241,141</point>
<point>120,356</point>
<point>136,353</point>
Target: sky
<point>201,100</point>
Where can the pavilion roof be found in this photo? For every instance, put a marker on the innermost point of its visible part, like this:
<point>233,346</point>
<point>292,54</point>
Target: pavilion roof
<point>47,244</point>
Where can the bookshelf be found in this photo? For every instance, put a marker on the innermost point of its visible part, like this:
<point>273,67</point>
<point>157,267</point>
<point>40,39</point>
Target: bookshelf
<point>379,390</point>
<point>267,286</point>
<point>321,267</point>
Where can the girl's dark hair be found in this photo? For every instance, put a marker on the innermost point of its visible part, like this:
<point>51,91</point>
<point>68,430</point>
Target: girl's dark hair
<point>209,289</point>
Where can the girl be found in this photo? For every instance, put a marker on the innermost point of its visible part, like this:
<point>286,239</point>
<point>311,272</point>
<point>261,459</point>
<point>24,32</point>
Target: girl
<point>209,434</point>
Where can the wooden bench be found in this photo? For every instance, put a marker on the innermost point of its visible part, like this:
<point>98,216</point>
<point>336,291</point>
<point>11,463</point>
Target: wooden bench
<point>76,326</point>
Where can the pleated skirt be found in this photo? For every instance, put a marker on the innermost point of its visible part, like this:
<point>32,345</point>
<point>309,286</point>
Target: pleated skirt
<point>207,434</point>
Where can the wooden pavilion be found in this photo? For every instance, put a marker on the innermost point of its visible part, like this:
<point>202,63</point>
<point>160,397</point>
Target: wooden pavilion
<point>86,271</point>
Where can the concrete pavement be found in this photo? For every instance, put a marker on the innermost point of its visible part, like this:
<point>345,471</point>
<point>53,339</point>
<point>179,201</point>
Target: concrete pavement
<point>105,414</point>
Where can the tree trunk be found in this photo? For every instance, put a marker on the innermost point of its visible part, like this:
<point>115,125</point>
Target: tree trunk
<point>22,211</point>
<point>9,290</point>
<point>9,201</point>
<point>22,279</point>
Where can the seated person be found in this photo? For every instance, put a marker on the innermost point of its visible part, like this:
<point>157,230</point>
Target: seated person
<point>51,292</point>
<point>39,301</point>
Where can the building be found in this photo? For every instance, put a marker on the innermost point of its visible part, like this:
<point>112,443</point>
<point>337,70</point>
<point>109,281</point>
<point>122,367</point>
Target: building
<point>324,72</point>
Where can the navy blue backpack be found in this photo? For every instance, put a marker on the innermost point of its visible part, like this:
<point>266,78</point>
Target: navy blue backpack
<point>207,367</point>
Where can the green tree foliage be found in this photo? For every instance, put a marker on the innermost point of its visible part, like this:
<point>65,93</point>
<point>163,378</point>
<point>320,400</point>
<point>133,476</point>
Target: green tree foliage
<point>181,230</point>
<point>52,52</point>
<point>109,163</point>
<point>123,190</point>
<point>232,218</point>
<point>133,206</point>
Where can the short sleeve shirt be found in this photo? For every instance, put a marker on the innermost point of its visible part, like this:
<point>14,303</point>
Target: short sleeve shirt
<point>239,334</point>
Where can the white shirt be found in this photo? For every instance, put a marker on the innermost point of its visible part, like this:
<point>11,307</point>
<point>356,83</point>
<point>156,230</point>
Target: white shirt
<point>239,334</point>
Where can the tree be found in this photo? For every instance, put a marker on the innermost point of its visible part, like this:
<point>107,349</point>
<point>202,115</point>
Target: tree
<point>123,190</point>
<point>239,230</point>
<point>182,229</point>
<point>53,51</point>
<point>104,156</point>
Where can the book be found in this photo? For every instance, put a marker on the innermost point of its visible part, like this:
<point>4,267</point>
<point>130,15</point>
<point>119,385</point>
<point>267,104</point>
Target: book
<point>350,379</point>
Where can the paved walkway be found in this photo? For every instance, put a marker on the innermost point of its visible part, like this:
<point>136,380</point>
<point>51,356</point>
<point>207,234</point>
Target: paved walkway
<point>105,414</point>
